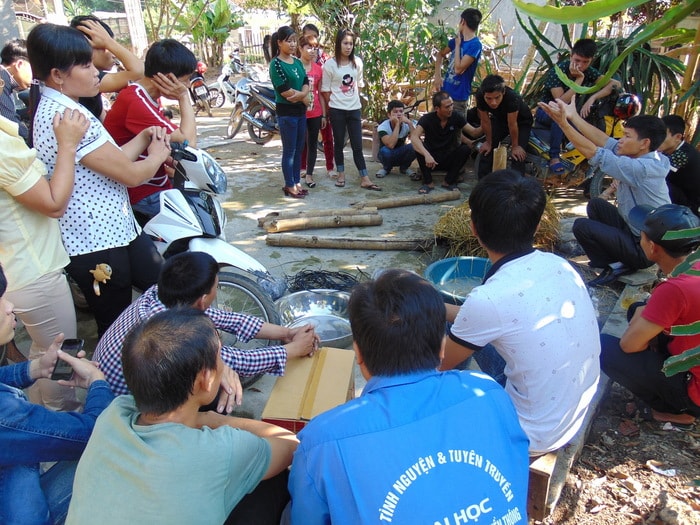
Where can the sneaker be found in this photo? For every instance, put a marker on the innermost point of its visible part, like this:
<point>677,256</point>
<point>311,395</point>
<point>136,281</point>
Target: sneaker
<point>382,173</point>
<point>333,174</point>
<point>408,172</point>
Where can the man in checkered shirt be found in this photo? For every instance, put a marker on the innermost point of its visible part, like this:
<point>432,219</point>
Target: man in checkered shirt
<point>190,279</point>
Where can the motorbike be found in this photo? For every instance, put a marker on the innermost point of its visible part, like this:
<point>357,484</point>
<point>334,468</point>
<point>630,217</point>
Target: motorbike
<point>261,113</point>
<point>578,172</point>
<point>191,219</point>
<point>223,89</point>
<point>199,92</point>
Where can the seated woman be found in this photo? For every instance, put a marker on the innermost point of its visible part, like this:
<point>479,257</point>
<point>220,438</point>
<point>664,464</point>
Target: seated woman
<point>30,434</point>
<point>98,226</point>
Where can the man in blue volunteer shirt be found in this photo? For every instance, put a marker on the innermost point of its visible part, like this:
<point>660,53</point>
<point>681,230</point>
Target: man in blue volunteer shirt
<point>419,446</point>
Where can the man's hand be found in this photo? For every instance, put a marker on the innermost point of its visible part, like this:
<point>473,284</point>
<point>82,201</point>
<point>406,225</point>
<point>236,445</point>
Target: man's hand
<point>84,372</point>
<point>518,153</point>
<point>70,127</point>
<point>437,84</point>
<point>43,367</point>
<point>559,111</point>
<point>304,342</point>
<point>169,86</point>
<point>97,35</point>
<point>430,161</point>
<point>586,109</point>
<point>231,391</point>
<point>575,72</point>
<point>485,148</point>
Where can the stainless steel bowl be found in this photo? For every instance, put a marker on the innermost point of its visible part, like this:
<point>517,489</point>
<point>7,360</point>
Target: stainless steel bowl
<point>327,310</point>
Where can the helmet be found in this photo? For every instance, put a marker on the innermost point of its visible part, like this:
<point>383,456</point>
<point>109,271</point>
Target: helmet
<point>201,67</point>
<point>627,105</point>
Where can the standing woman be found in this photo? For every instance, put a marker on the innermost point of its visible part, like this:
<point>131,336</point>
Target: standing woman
<point>342,80</point>
<point>316,118</point>
<point>291,95</point>
<point>98,226</point>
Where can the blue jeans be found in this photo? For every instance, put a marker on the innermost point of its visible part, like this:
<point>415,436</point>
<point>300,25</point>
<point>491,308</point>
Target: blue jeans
<point>491,363</point>
<point>556,135</point>
<point>149,206</point>
<point>28,497</point>
<point>402,157</point>
<point>350,120</point>
<point>293,133</point>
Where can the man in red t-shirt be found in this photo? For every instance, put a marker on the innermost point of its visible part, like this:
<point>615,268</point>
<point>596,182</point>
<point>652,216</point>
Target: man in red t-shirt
<point>635,361</point>
<point>167,68</point>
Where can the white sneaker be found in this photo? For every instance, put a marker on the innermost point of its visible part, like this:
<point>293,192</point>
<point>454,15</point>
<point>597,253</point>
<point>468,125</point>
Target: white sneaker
<point>381,173</point>
<point>333,174</point>
<point>408,172</point>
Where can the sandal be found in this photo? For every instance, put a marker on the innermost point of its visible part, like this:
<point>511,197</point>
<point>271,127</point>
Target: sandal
<point>311,184</point>
<point>450,187</point>
<point>425,189</point>
<point>416,177</point>
<point>340,183</point>
<point>371,187</point>
<point>557,167</point>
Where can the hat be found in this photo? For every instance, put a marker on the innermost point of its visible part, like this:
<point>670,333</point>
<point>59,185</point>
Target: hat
<point>669,217</point>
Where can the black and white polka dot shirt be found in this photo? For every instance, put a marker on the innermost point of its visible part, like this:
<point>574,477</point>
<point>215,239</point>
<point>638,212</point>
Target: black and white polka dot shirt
<point>98,216</point>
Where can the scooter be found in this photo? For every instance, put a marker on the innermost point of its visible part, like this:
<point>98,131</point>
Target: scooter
<point>240,98</point>
<point>223,89</point>
<point>199,92</point>
<point>191,219</point>
<point>261,113</point>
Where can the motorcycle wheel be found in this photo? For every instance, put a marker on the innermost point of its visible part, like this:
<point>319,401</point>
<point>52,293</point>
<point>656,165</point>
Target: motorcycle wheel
<point>206,106</point>
<point>598,184</point>
<point>216,98</point>
<point>235,122</point>
<point>259,135</point>
<point>236,293</point>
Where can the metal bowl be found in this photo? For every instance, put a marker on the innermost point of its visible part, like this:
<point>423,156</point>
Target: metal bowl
<point>327,310</point>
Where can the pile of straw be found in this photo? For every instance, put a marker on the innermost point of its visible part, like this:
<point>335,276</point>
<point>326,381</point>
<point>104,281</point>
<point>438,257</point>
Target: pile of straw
<point>455,228</point>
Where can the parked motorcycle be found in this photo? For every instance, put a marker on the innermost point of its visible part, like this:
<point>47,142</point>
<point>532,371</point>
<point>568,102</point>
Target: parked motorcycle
<point>261,113</point>
<point>199,92</point>
<point>241,96</point>
<point>190,218</point>
<point>609,116</point>
<point>223,89</point>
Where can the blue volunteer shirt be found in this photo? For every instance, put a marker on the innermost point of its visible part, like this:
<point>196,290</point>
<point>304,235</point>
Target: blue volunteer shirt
<point>459,87</point>
<point>430,447</point>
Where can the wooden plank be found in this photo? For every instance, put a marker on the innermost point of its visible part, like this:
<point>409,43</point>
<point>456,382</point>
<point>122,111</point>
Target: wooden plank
<point>345,243</point>
<point>410,200</point>
<point>335,221</point>
<point>538,487</point>
<point>277,215</point>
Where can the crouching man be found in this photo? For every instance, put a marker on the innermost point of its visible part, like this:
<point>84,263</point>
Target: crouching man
<point>154,458</point>
<point>419,445</point>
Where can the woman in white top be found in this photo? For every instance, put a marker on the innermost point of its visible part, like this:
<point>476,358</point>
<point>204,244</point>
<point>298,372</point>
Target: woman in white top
<point>98,226</point>
<point>342,80</point>
<point>31,251</point>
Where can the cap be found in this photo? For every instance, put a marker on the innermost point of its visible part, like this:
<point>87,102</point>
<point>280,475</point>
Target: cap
<point>669,217</point>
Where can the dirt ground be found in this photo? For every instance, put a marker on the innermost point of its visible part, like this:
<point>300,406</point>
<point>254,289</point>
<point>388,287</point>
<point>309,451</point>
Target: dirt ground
<point>630,471</point>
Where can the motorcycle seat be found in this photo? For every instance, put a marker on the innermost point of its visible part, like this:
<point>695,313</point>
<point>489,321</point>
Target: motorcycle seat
<point>265,90</point>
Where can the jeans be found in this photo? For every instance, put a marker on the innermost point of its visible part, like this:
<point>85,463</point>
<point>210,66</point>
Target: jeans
<point>137,264</point>
<point>293,133</point>
<point>556,135</point>
<point>148,206</point>
<point>402,157</point>
<point>350,120</point>
<point>28,497</point>
<point>491,363</point>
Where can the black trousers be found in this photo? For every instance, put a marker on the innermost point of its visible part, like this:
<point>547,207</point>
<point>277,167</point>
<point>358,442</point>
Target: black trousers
<point>263,506</point>
<point>606,238</point>
<point>451,161</point>
<point>137,264</point>
<point>499,131</point>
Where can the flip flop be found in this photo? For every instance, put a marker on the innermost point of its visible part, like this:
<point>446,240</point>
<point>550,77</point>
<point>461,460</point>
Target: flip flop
<point>449,187</point>
<point>340,183</point>
<point>371,187</point>
<point>557,168</point>
<point>425,189</point>
<point>416,177</point>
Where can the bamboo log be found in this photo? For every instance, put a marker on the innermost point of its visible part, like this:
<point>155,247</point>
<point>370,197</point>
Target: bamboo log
<point>410,200</point>
<point>278,215</point>
<point>344,243</point>
<point>336,221</point>
<point>500,158</point>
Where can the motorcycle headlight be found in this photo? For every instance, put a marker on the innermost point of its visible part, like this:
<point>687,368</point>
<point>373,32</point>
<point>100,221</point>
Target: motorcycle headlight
<point>215,173</point>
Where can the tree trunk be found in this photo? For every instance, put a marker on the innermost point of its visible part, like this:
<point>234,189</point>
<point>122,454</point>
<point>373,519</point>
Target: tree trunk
<point>314,241</point>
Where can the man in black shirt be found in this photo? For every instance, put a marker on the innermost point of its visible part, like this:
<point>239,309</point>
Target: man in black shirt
<point>437,140</point>
<point>684,178</point>
<point>502,112</point>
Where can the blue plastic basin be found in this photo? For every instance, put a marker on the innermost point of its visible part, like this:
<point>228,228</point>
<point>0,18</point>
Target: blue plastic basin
<point>455,277</point>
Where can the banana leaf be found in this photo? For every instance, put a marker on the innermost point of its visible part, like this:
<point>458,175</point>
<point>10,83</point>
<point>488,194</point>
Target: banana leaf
<point>593,10</point>
<point>686,329</point>
<point>686,266</point>
<point>682,362</point>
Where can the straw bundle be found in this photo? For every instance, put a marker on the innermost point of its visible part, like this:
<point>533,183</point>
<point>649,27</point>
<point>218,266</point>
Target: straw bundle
<point>455,228</point>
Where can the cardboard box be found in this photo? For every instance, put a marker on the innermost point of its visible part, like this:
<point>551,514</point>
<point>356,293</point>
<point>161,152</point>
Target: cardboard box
<point>311,386</point>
